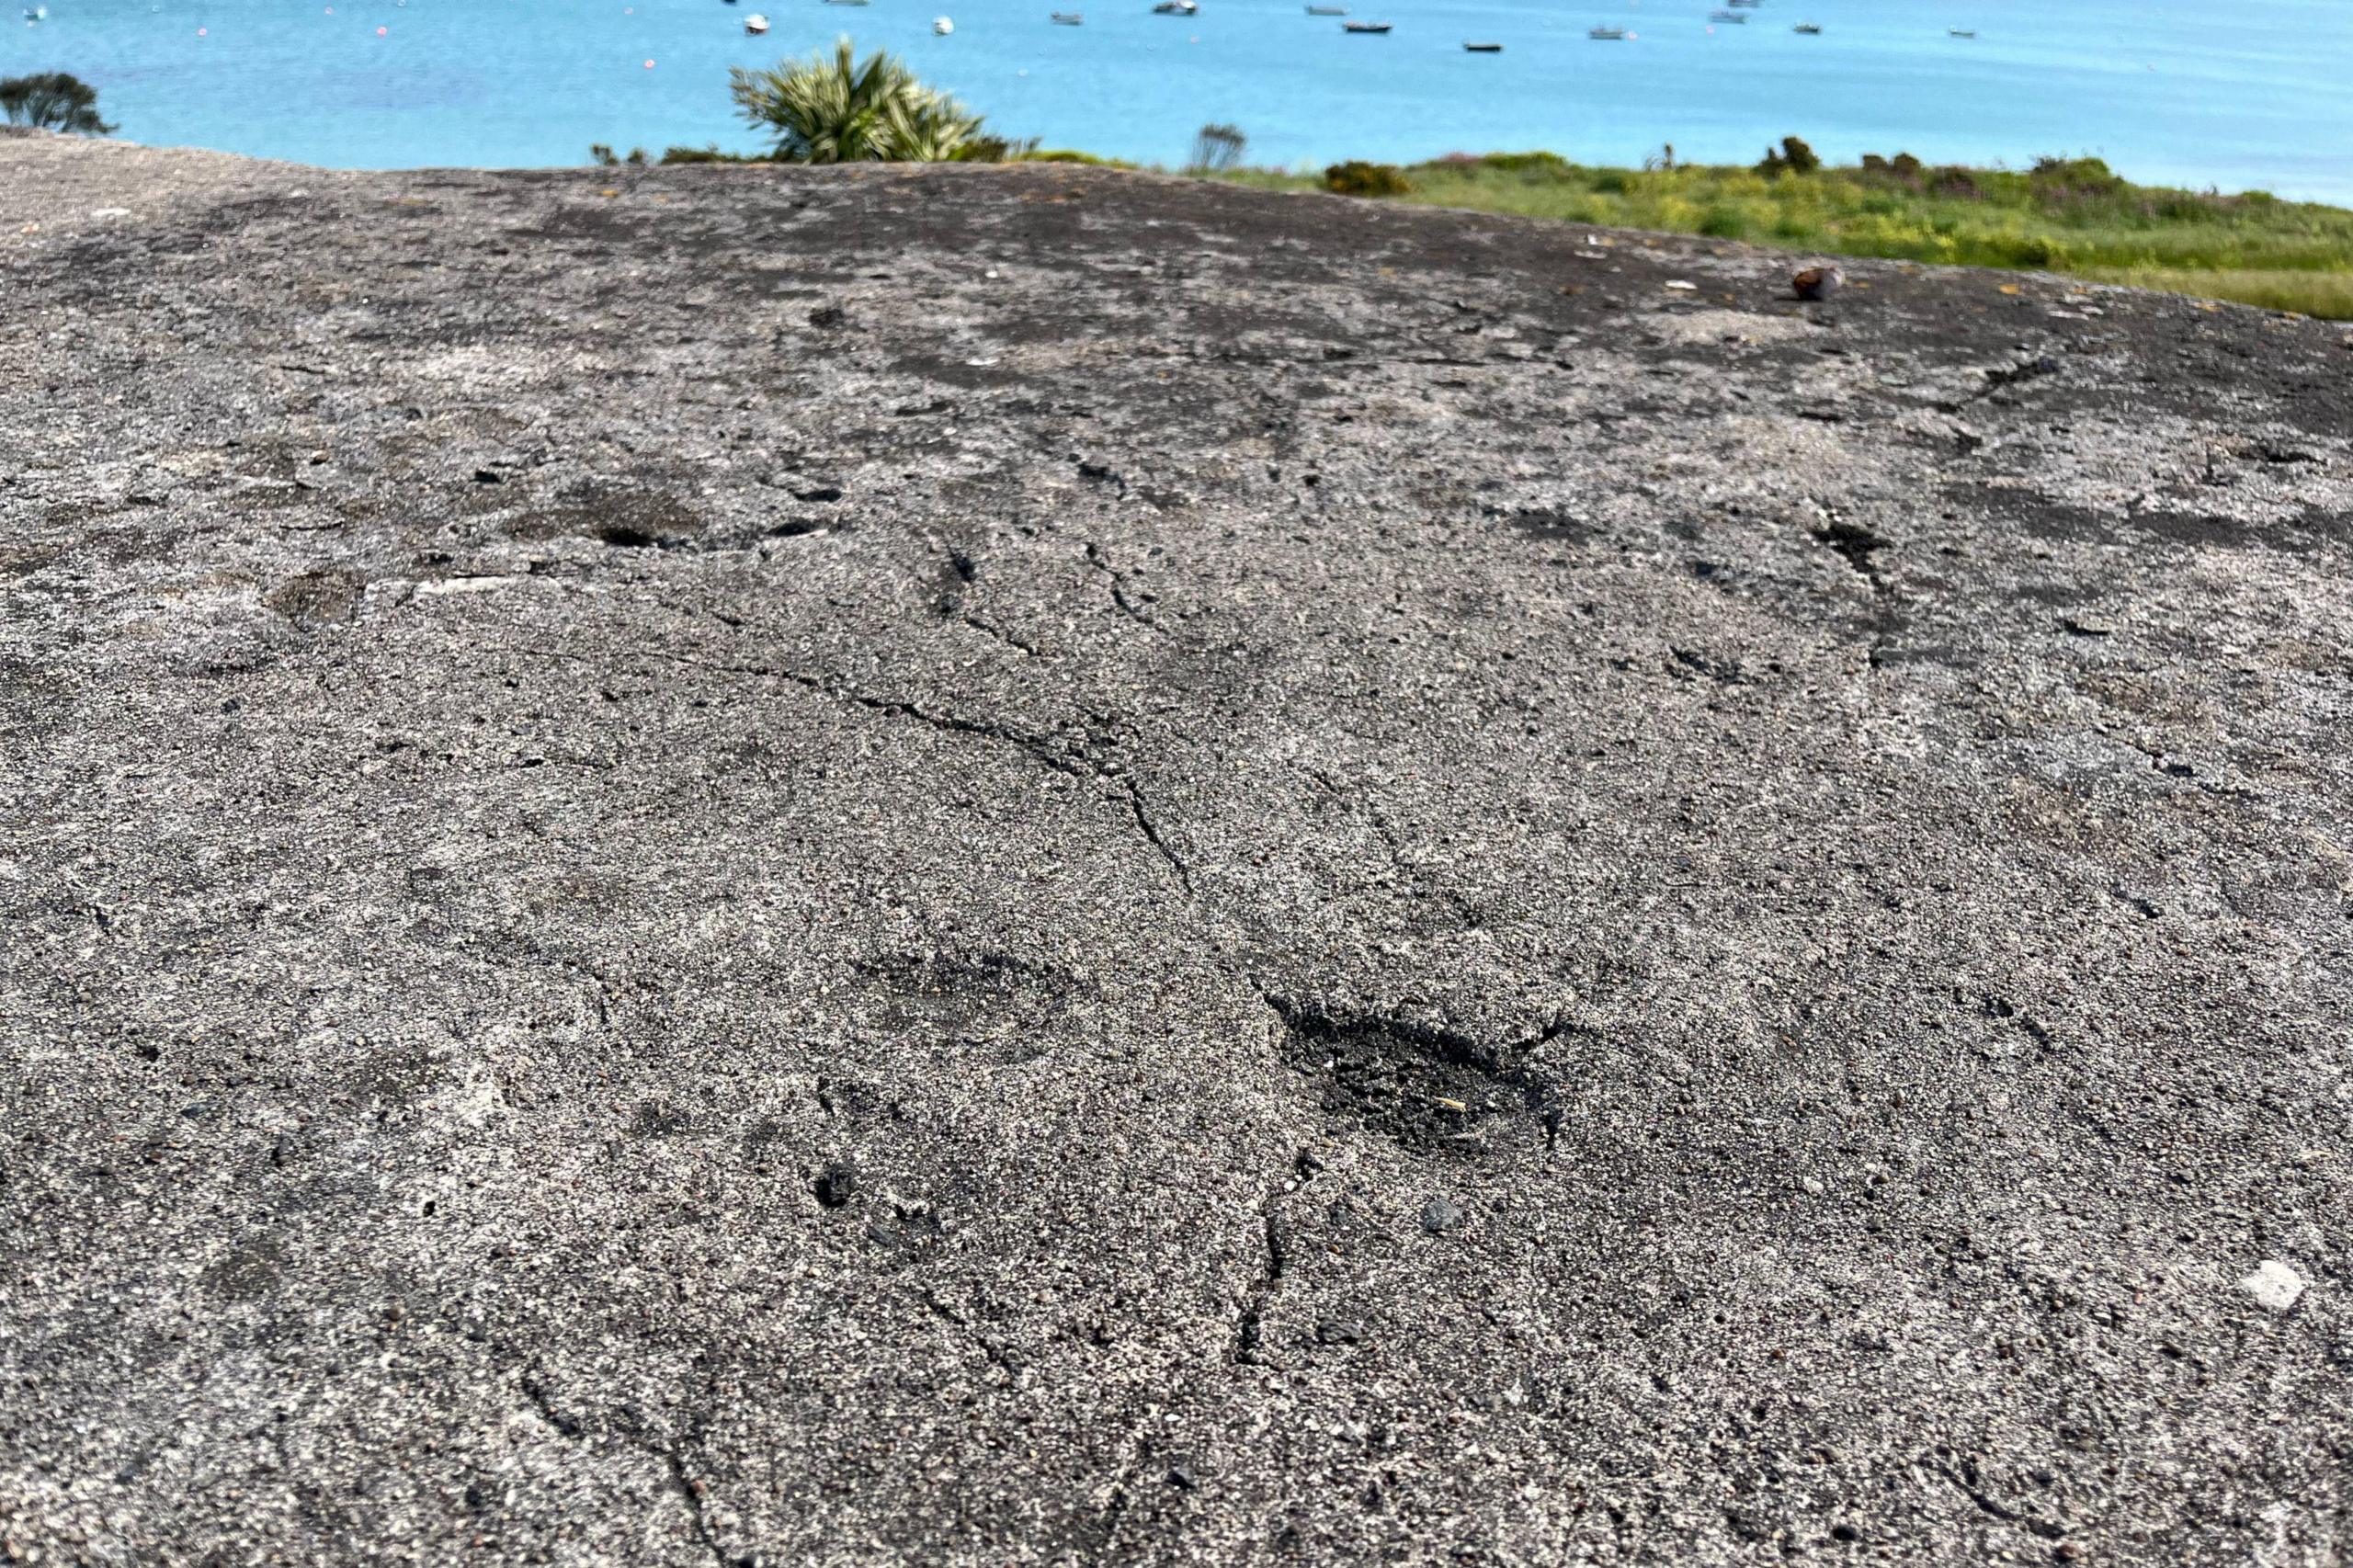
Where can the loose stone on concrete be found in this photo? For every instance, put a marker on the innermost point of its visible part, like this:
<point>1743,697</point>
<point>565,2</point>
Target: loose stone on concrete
<point>2274,1285</point>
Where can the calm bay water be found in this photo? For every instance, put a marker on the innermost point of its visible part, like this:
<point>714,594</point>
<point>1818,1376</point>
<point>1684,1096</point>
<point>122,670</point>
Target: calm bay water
<point>2237,94</point>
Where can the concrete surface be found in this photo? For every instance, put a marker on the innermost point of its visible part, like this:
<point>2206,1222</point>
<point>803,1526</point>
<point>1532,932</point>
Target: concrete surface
<point>725,866</point>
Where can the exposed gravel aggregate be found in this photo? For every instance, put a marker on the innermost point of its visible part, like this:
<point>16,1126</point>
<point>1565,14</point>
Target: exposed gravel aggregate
<point>727,865</point>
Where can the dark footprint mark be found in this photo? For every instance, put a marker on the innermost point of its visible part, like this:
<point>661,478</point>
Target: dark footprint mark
<point>1433,1090</point>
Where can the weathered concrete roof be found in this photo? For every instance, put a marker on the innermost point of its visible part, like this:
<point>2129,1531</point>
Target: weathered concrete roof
<point>733,866</point>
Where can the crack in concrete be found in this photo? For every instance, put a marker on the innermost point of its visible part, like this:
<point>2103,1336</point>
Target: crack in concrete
<point>1009,639</point>
<point>1992,1509</point>
<point>1100,559</point>
<point>1249,1334</point>
<point>1403,863</point>
<point>946,1313</point>
<point>1040,747</point>
<point>691,1491</point>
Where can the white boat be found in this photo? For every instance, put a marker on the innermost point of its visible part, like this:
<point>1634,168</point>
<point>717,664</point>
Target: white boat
<point>1364,27</point>
<point>756,25</point>
<point>1963,32</point>
<point>1176,8</point>
<point>942,26</point>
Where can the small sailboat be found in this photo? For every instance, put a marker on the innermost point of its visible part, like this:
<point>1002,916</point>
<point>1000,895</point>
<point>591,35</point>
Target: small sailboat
<point>1070,18</point>
<point>756,25</point>
<point>1963,32</point>
<point>1609,35</point>
<point>942,26</point>
<point>1176,8</point>
<point>1811,29</point>
<point>1483,48</point>
<point>1740,17</point>
<point>1364,27</point>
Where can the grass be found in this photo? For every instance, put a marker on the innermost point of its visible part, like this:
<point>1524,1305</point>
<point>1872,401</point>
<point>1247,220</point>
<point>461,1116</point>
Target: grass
<point>2328,295</point>
<point>2070,216</point>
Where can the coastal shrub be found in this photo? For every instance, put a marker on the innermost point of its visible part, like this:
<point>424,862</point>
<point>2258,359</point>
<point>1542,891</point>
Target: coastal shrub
<point>1526,163</point>
<point>1216,148</point>
<point>710,154</point>
<point>51,100</point>
<point>1355,178</point>
<point>1723,221</point>
<point>988,149</point>
<point>2088,175</point>
<point>842,110</point>
<point>603,157</point>
<point>1902,170</point>
<point>1793,157</point>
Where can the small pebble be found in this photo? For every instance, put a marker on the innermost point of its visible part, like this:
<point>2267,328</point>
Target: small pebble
<point>1817,282</point>
<point>2274,1286</point>
<point>1440,1215</point>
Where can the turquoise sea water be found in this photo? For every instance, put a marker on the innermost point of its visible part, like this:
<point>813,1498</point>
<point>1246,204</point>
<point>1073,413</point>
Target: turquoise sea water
<point>2237,94</point>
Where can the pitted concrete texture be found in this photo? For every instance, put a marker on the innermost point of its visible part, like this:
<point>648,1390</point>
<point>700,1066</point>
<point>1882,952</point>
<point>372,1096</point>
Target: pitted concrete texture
<point>736,866</point>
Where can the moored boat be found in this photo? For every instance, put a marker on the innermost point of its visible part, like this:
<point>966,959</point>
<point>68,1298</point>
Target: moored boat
<point>1483,48</point>
<point>1364,27</point>
<point>756,25</point>
<point>1609,35</point>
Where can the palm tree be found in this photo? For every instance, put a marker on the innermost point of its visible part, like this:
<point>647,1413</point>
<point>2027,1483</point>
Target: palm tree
<point>842,112</point>
<point>53,101</point>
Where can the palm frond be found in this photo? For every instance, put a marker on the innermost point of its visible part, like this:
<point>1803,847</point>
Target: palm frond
<point>842,110</point>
